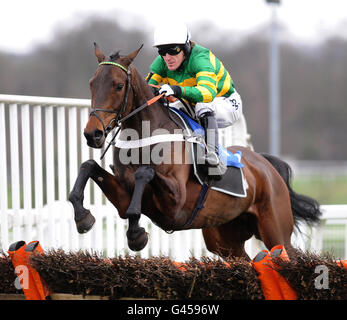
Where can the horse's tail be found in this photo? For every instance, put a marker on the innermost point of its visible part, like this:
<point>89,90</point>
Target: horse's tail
<point>304,208</point>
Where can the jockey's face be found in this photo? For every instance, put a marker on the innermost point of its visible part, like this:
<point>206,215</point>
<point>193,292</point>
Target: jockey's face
<point>173,62</point>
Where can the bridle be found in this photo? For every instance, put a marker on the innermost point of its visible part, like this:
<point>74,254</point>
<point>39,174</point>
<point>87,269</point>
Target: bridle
<point>118,119</point>
<point>119,112</point>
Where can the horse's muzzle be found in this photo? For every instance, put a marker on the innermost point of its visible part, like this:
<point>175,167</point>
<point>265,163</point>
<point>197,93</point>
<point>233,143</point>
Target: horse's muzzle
<point>95,139</point>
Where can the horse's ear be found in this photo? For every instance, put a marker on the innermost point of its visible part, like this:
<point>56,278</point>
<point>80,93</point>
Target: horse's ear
<point>98,53</point>
<point>131,56</point>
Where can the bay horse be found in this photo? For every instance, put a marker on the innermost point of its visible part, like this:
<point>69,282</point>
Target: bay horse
<point>167,192</point>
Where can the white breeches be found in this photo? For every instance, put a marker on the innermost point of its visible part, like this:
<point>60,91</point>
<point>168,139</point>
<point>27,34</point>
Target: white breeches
<point>227,110</point>
<point>230,119</point>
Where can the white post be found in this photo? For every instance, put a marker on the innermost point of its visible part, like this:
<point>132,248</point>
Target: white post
<point>97,229</point>
<point>73,170</point>
<point>164,243</point>
<point>121,243</point>
<point>26,156</point>
<point>111,213</point>
<point>110,232</point>
<point>176,246</point>
<point>154,240</point>
<point>50,174</point>
<point>3,183</point>
<point>15,173</point>
<point>38,171</point>
<point>61,136</point>
<point>62,181</point>
<point>86,238</point>
<point>197,243</point>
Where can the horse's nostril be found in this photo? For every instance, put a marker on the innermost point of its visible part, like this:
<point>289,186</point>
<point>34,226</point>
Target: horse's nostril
<point>94,136</point>
<point>98,134</point>
<point>88,135</point>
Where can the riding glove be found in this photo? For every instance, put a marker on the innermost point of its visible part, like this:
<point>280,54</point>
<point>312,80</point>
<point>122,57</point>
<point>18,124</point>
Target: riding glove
<point>170,90</point>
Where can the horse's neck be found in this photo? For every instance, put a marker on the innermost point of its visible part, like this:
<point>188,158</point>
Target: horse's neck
<point>155,114</point>
<point>142,91</point>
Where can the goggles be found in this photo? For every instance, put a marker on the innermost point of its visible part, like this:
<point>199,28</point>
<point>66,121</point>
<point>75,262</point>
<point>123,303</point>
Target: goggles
<point>172,51</point>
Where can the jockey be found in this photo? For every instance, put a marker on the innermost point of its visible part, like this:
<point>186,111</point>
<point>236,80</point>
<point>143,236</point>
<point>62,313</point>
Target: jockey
<point>188,70</point>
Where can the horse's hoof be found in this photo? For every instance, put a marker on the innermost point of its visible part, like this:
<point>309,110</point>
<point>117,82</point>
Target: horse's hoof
<point>139,243</point>
<point>86,223</point>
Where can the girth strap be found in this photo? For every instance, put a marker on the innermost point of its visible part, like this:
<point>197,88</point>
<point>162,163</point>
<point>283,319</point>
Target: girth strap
<point>199,204</point>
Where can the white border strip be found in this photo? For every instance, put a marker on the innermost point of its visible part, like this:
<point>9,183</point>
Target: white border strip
<point>132,144</point>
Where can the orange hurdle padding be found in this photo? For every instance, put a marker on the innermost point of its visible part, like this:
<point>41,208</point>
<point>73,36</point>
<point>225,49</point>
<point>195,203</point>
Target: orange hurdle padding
<point>180,266</point>
<point>287,292</point>
<point>41,286</point>
<point>263,265</point>
<point>183,266</point>
<point>19,260</point>
<point>273,285</point>
<point>32,285</point>
<point>342,263</point>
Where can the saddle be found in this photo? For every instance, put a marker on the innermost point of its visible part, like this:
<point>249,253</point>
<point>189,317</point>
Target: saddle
<point>233,181</point>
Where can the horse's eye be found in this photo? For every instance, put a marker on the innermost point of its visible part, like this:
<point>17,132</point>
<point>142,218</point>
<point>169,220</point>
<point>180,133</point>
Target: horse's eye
<point>119,86</point>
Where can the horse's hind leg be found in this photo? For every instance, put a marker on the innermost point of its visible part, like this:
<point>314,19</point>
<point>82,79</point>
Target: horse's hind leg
<point>229,239</point>
<point>275,224</point>
<point>137,237</point>
<point>273,233</point>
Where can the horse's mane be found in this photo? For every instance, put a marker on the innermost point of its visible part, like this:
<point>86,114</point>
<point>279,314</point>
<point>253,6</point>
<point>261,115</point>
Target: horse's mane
<point>114,56</point>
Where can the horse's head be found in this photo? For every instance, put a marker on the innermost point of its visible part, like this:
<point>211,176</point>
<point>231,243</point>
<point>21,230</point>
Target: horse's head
<point>110,88</point>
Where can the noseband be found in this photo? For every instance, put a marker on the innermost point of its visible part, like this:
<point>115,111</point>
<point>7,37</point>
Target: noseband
<point>118,113</point>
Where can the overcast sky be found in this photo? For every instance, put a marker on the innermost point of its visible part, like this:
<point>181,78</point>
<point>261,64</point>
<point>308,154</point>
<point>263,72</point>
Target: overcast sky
<point>25,23</point>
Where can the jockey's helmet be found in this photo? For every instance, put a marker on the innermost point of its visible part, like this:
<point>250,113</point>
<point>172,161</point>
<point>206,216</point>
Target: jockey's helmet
<point>171,33</point>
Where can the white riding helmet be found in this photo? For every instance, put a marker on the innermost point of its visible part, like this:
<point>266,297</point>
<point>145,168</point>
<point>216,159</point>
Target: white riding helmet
<point>176,33</point>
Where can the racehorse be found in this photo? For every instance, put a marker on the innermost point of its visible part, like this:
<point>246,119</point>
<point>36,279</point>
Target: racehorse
<point>168,192</point>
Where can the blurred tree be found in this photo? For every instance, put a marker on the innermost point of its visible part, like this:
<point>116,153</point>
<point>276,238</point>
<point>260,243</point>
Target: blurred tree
<point>313,78</point>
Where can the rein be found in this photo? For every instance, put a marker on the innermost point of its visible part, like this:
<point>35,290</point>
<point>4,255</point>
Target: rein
<point>118,119</point>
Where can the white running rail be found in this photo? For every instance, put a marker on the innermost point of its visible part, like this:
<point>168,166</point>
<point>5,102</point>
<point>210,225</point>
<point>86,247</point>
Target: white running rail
<point>41,149</point>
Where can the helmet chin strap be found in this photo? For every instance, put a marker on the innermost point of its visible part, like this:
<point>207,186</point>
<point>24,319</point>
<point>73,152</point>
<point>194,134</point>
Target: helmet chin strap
<point>187,48</point>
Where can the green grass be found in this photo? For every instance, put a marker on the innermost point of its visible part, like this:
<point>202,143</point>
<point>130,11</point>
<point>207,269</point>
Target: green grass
<point>327,190</point>
<point>333,240</point>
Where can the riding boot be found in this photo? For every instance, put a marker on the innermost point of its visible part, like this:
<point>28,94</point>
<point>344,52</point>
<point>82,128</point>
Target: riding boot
<point>209,123</point>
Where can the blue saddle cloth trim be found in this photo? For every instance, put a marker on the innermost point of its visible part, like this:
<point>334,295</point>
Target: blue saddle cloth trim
<point>230,159</point>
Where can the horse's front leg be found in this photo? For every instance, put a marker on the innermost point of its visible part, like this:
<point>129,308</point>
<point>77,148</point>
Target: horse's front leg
<point>108,184</point>
<point>83,218</point>
<point>137,236</point>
